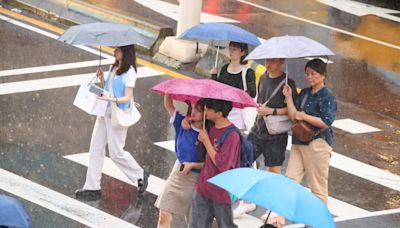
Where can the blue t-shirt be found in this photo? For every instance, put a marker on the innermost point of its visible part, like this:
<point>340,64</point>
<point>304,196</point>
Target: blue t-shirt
<point>321,104</point>
<point>185,141</point>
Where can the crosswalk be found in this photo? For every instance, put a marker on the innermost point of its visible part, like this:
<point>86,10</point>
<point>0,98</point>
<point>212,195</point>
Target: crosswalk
<point>92,217</point>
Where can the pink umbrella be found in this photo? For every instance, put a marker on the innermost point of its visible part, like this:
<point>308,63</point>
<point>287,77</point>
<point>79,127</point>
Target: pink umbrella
<point>193,90</point>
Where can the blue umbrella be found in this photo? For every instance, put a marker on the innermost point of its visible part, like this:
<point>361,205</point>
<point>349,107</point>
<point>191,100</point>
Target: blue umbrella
<point>13,213</point>
<point>102,34</point>
<point>277,193</point>
<point>219,34</point>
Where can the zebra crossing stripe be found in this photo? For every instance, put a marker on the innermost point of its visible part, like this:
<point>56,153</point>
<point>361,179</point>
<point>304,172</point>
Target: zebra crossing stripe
<point>65,66</point>
<point>57,202</point>
<point>61,82</point>
<point>336,207</point>
<point>156,184</point>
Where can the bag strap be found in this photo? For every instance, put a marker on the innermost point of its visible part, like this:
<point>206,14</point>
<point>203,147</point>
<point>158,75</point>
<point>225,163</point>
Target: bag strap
<point>275,91</point>
<point>303,102</point>
<point>244,77</point>
<point>110,85</point>
<point>226,133</point>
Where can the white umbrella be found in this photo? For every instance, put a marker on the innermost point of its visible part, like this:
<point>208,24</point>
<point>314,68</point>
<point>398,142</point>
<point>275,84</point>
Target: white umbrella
<point>288,47</point>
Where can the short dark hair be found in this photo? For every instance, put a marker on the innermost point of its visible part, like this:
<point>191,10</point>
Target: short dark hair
<point>317,65</point>
<point>219,106</point>
<point>243,47</point>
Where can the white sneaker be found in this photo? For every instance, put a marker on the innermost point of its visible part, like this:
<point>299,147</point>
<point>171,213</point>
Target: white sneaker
<point>243,208</point>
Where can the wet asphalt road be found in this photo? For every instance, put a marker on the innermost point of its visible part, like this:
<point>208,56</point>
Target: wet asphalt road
<point>39,128</point>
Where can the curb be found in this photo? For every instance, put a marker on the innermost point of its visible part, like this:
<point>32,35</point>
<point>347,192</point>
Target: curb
<point>154,32</point>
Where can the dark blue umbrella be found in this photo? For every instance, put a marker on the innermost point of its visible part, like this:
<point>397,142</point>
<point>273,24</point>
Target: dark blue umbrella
<point>277,193</point>
<point>219,34</point>
<point>13,213</point>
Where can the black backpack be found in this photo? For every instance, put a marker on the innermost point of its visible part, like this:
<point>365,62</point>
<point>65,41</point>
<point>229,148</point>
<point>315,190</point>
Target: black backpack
<point>247,150</point>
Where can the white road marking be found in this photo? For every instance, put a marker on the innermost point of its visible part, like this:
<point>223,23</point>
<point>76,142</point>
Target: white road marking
<point>321,25</point>
<point>156,184</point>
<point>172,11</point>
<point>353,126</point>
<point>61,82</point>
<point>362,170</point>
<point>56,67</point>
<point>57,202</point>
<point>336,207</point>
<point>51,35</point>
<point>361,9</point>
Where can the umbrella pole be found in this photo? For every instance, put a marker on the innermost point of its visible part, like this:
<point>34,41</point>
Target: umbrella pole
<point>287,73</point>
<point>204,118</point>
<point>100,58</point>
<point>216,58</point>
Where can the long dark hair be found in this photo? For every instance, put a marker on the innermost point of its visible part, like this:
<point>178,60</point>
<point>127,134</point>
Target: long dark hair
<point>243,47</point>
<point>128,59</point>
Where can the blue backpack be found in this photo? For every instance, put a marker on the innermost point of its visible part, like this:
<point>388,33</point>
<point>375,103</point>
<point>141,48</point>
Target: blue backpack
<point>247,150</point>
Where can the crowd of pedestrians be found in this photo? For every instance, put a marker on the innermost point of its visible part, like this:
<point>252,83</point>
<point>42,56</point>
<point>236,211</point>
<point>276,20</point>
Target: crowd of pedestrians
<point>199,151</point>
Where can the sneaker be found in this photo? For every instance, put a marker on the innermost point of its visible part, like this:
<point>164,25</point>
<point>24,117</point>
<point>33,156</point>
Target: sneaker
<point>274,219</point>
<point>88,195</point>
<point>243,208</point>
<point>142,183</point>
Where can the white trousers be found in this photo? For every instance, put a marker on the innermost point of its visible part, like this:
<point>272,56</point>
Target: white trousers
<point>103,134</point>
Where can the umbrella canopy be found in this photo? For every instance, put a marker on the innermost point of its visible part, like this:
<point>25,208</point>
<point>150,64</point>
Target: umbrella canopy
<point>13,213</point>
<point>193,90</point>
<point>98,34</point>
<point>277,193</point>
<point>287,47</point>
<point>219,34</point>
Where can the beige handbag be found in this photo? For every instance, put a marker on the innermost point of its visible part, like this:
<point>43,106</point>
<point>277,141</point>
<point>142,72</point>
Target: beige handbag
<point>277,124</point>
<point>119,117</point>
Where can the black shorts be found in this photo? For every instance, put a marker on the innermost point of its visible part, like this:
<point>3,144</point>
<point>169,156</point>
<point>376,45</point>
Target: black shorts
<point>273,150</point>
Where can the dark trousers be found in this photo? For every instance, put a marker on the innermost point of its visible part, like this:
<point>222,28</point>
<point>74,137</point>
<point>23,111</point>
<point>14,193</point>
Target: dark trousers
<point>205,210</point>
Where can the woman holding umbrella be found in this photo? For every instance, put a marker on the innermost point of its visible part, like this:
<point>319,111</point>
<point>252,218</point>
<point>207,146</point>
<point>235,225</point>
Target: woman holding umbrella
<point>176,198</point>
<point>316,105</point>
<point>237,74</point>
<point>120,83</point>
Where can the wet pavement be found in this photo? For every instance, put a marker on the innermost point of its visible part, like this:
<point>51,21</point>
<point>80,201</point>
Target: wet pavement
<point>39,128</point>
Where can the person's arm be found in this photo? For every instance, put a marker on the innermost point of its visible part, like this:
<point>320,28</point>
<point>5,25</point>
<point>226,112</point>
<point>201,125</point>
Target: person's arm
<point>291,108</point>
<point>125,99</point>
<point>228,153</point>
<point>205,139</point>
<point>168,104</point>
<point>251,83</point>
<point>191,165</point>
<point>328,110</point>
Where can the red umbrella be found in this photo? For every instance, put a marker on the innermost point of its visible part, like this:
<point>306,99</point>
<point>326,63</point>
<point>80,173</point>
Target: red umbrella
<point>193,90</point>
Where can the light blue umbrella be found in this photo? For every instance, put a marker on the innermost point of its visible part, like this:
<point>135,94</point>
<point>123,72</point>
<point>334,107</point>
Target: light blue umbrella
<point>219,34</point>
<point>102,34</point>
<point>277,193</point>
<point>13,213</point>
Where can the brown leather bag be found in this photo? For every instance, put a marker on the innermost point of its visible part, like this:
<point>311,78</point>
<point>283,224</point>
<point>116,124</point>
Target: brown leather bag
<point>302,131</point>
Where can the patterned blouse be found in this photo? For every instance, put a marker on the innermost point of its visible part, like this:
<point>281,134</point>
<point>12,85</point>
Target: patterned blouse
<point>321,104</point>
